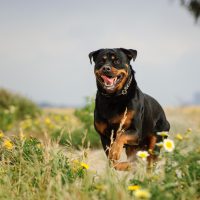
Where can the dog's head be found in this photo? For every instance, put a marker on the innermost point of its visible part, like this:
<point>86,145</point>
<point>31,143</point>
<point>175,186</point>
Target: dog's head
<point>112,67</point>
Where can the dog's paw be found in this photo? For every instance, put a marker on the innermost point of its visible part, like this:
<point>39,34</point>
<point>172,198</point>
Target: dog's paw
<point>115,151</point>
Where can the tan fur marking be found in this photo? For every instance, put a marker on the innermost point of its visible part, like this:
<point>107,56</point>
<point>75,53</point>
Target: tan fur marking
<point>105,57</point>
<point>128,139</point>
<point>124,79</point>
<point>151,158</point>
<point>101,127</point>
<point>152,142</point>
<point>118,119</point>
<point>117,146</point>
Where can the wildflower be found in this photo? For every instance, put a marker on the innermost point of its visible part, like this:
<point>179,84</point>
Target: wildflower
<point>159,144</point>
<point>75,161</point>
<point>133,187</point>
<point>27,123</point>
<point>39,145</point>
<point>168,145</point>
<point>179,136</point>
<point>163,133</point>
<point>84,165</point>
<point>1,134</point>
<point>142,154</point>
<point>142,194</point>
<point>47,121</point>
<point>8,144</point>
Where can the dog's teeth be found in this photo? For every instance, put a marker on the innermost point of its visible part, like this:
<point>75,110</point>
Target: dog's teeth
<point>108,85</point>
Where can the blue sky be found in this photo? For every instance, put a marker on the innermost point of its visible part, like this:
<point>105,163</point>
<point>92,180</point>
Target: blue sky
<point>44,47</point>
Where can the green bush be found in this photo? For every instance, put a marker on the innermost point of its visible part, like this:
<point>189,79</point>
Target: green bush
<point>15,107</point>
<point>81,136</point>
<point>86,116</point>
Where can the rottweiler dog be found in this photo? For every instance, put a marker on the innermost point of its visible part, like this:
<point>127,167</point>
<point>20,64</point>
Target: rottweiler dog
<point>124,116</point>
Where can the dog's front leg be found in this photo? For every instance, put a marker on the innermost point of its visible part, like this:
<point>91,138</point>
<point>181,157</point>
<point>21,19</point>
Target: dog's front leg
<point>117,146</point>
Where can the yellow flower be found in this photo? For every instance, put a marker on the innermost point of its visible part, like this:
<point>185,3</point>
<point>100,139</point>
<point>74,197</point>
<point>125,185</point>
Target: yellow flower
<point>142,154</point>
<point>75,161</point>
<point>133,187</point>
<point>39,145</point>
<point>27,123</point>
<point>47,121</point>
<point>84,165</point>
<point>179,136</point>
<point>8,144</point>
<point>1,134</point>
<point>142,194</point>
<point>163,133</point>
<point>168,145</point>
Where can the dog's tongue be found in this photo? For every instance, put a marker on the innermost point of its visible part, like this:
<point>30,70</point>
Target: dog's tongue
<point>107,80</point>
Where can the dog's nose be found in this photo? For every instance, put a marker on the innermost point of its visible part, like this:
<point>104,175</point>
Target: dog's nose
<point>106,68</point>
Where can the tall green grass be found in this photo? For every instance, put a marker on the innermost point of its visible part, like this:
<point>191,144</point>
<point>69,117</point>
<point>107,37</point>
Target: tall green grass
<point>35,170</point>
<point>86,131</point>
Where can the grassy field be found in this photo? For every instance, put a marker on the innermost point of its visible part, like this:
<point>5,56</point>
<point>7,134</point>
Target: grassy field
<point>54,155</point>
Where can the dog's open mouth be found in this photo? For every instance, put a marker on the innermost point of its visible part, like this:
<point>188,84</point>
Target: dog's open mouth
<point>110,82</point>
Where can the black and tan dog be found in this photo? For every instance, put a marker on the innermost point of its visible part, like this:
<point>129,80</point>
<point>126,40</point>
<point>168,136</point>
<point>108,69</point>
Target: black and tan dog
<point>118,94</point>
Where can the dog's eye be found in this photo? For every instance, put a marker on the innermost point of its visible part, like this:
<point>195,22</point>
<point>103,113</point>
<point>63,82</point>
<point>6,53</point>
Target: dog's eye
<point>116,62</point>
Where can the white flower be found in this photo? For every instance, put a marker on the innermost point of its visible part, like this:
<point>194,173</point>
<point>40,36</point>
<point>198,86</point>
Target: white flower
<point>168,145</point>
<point>159,144</point>
<point>163,133</point>
<point>142,154</point>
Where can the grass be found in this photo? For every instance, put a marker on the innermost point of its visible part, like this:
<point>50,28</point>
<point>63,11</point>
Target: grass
<point>48,157</point>
<point>35,170</point>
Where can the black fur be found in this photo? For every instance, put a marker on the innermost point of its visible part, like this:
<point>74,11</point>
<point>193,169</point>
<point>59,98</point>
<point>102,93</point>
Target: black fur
<point>149,116</point>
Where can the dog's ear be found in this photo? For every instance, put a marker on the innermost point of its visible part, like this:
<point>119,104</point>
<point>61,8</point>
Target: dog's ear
<point>94,55</point>
<point>130,53</point>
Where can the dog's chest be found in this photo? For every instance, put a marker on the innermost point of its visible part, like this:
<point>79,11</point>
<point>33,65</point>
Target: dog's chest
<point>115,122</point>
<point>122,120</point>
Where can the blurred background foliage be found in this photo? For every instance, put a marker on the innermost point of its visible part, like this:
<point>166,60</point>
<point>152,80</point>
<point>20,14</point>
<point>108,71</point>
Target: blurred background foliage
<point>75,128</point>
<point>193,6</point>
<point>14,107</point>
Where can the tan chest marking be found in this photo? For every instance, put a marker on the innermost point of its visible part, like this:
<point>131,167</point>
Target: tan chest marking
<point>101,127</point>
<point>118,119</point>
